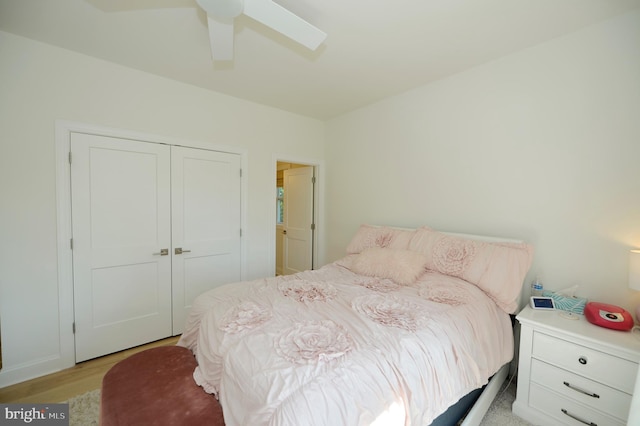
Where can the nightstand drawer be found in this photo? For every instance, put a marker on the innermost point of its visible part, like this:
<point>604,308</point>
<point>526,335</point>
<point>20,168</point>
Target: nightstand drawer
<point>613,371</point>
<point>593,394</point>
<point>567,411</point>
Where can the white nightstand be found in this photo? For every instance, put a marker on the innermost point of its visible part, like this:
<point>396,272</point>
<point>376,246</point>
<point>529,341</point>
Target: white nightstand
<point>571,372</point>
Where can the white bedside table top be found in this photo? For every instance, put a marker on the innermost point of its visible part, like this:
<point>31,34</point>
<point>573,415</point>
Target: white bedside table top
<point>623,343</point>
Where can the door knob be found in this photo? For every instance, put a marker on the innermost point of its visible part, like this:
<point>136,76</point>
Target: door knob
<point>162,252</point>
<point>179,250</point>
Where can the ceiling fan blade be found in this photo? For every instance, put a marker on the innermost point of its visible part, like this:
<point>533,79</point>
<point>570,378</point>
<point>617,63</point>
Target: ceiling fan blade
<point>280,19</point>
<point>221,37</point>
<point>221,8</point>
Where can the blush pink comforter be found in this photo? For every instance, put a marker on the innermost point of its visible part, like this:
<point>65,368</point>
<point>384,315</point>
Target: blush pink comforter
<point>330,347</point>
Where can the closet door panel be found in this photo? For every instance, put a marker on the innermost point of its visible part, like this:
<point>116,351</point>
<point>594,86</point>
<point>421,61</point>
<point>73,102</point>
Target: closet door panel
<point>205,188</point>
<point>121,221</point>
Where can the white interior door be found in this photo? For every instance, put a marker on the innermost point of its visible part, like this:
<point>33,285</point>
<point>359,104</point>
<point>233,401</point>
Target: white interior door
<point>298,220</point>
<point>206,225</point>
<point>121,222</point>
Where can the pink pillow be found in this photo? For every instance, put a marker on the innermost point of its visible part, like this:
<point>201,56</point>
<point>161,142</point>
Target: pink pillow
<point>402,266</point>
<point>498,269</point>
<point>369,236</point>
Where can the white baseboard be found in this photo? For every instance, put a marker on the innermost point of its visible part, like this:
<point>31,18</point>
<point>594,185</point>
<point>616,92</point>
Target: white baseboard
<point>27,371</point>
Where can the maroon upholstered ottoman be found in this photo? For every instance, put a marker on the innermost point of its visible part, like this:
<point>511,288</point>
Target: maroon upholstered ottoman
<point>156,387</point>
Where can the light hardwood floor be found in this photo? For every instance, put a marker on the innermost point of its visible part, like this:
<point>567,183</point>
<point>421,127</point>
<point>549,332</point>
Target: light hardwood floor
<point>81,378</point>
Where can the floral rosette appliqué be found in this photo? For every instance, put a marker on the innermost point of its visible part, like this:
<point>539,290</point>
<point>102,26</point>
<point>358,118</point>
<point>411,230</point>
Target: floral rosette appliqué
<point>383,285</point>
<point>312,341</point>
<point>306,291</point>
<point>452,256</point>
<point>245,316</point>
<point>391,311</point>
<point>381,238</point>
<point>446,292</point>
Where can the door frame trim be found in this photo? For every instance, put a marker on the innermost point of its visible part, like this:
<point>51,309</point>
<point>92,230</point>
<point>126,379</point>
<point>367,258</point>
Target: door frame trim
<point>318,205</point>
<point>63,130</point>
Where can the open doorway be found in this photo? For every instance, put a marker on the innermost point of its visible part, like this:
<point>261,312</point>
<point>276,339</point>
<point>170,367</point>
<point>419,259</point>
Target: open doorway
<point>295,217</point>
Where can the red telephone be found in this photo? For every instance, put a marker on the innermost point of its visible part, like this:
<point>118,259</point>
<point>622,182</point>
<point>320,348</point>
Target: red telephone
<point>609,316</point>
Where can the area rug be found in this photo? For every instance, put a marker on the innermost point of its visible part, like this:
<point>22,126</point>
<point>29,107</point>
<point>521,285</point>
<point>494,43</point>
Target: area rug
<point>84,410</point>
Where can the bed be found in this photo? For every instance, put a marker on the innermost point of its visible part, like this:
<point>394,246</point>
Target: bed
<point>403,330</point>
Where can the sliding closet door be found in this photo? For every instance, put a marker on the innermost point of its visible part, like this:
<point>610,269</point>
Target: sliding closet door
<point>121,225</point>
<point>205,193</point>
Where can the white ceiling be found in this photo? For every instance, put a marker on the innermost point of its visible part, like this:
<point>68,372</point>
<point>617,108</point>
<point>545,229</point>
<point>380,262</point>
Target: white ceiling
<point>374,48</point>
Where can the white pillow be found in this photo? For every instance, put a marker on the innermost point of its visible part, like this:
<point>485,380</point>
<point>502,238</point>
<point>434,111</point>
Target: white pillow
<point>402,266</point>
<point>497,268</point>
<point>379,236</point>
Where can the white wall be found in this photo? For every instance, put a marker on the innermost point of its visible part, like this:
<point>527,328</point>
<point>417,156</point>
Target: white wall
<point>40,84</point>
<point>542,145</point>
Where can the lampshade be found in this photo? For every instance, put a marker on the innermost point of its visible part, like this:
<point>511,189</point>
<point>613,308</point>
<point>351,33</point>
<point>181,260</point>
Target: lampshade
<point>634,270</point>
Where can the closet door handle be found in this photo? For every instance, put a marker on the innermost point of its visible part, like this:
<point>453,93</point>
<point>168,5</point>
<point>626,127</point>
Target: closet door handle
<point>179,250</point>
<point>162,252</point>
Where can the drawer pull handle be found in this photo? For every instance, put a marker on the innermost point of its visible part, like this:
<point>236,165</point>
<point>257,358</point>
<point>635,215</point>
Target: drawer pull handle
<point>573,416</point>
<point>575,388</point>
<point>582,360</point>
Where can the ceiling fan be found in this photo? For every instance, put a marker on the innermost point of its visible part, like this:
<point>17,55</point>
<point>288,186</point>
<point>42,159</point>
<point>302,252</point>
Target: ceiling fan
<point>221,13</point>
